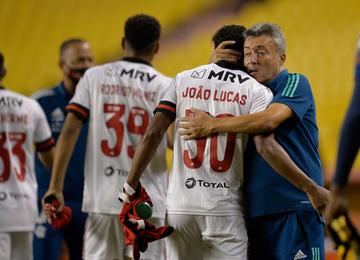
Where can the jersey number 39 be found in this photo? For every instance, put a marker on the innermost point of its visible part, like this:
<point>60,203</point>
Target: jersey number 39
<point>136,114</point>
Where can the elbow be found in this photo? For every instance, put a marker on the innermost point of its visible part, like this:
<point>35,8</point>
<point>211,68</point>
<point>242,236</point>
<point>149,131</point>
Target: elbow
<point>267,126</point>
<point>263,145</point>
<point>154,133</point>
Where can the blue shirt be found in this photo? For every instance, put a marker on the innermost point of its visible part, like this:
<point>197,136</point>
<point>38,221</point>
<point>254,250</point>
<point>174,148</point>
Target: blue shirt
<point>53,101</point>
<point>265,190</point>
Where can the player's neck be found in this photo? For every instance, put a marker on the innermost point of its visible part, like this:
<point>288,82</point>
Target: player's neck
<point>141,56</point>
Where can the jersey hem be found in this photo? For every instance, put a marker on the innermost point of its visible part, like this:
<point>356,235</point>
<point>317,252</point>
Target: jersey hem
<point>204,213</point>
<point>282,210</point>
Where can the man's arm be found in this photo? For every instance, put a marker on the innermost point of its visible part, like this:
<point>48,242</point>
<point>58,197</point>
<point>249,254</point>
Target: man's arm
<point>64,149</point>
<point>170,136</point>
<point>147,147</point>
<point>280,161</point>
<point>201,124</point>
<point>349,145</point>
<point>47,157</point>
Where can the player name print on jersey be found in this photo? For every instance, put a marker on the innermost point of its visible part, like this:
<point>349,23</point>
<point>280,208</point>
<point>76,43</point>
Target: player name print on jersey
<point>140,93</point>
<point>13,118</point>
<point>216,95</point>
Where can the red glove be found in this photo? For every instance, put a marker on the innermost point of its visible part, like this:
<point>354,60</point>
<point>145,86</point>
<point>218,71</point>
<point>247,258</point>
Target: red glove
<point>137,231</point>
<point>58,219</point>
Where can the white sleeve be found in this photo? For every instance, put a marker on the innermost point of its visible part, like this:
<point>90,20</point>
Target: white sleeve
<point>42,130</point>
<point>167,104</point>
<point>170,95</point>
<point>261,98</point>
<point>82,93</point>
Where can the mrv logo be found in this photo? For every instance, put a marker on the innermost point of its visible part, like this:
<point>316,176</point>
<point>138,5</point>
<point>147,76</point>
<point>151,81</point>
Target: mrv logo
<point>191,183</point>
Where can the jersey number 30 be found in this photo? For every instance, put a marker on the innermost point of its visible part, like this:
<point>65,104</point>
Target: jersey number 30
<point>215,164</point>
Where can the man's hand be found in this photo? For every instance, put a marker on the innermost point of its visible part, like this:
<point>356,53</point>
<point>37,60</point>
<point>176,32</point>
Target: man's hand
<point>319,198</point>
<point>49,209</point>
<point>338,203</point>
<point>58,216</point>
<point>220,53</point>
<point>195,126</point>
<point>138,232</point>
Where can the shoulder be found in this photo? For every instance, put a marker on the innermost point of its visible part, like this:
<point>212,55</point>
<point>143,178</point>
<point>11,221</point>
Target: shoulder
<point>195,73</point>
<point>160,76</point>
<point>295,82</point>
<point>98,69</point>
<point>30,103</point>
<point>297,79</point>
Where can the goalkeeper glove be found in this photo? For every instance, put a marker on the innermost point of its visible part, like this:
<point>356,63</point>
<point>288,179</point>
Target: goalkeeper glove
<point>57,219</point>
<point>138,232</point>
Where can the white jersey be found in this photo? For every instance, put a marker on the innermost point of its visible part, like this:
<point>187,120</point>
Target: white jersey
<point>22,124</point>
<point>119,99</point>
<point>207,174</point>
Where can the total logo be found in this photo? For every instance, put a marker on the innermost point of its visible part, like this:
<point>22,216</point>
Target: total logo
<point>192,182</point>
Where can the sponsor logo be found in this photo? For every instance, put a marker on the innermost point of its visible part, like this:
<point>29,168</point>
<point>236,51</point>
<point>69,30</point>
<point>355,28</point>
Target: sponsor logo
<point>57,120</point>
<point>109,171</point>
<point>40,231</point>
<point>131,73</point>
<point>227,76</point>
<point>13,195</point>
<point>191,183</point>
<point>198,74</point>
<point>299,255</point>
<point>3,195</point>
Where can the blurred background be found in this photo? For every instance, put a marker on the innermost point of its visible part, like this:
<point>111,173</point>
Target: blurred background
<point>321,43</point>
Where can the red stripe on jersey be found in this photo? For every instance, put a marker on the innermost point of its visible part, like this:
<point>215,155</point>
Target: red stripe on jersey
<point>83,112</point>
<point>46,145</point>
<point>167,107</point>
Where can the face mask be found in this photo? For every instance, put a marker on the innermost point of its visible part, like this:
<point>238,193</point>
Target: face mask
<point>76,74</point>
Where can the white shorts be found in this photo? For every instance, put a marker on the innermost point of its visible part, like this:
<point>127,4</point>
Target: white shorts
<point>16,245</point>
<point>104,239</point>
<point>156,249</point>
<point>206,237</point>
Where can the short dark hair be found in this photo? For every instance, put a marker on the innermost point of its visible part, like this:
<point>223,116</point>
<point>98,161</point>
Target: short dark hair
<point>141,31</point>
<point>1,62</point>
<point>231,33</point>
<point>66,44</point>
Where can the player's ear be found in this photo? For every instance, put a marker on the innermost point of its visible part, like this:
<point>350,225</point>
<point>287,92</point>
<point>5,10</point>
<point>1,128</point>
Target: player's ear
<point>156,47</point>
<point>282,58</point>
<point>61,63</point>
<point>213,45</point>
<point>3,73</point>
<point>123,43</point>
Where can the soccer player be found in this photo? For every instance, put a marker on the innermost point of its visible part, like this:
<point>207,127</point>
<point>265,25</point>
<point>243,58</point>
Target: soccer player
<point>348,148</point>
<point>117,99</point>
<point>282,223</point>
<point>75,58</point>
<point>22,124</point>
<point>204,200</point>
